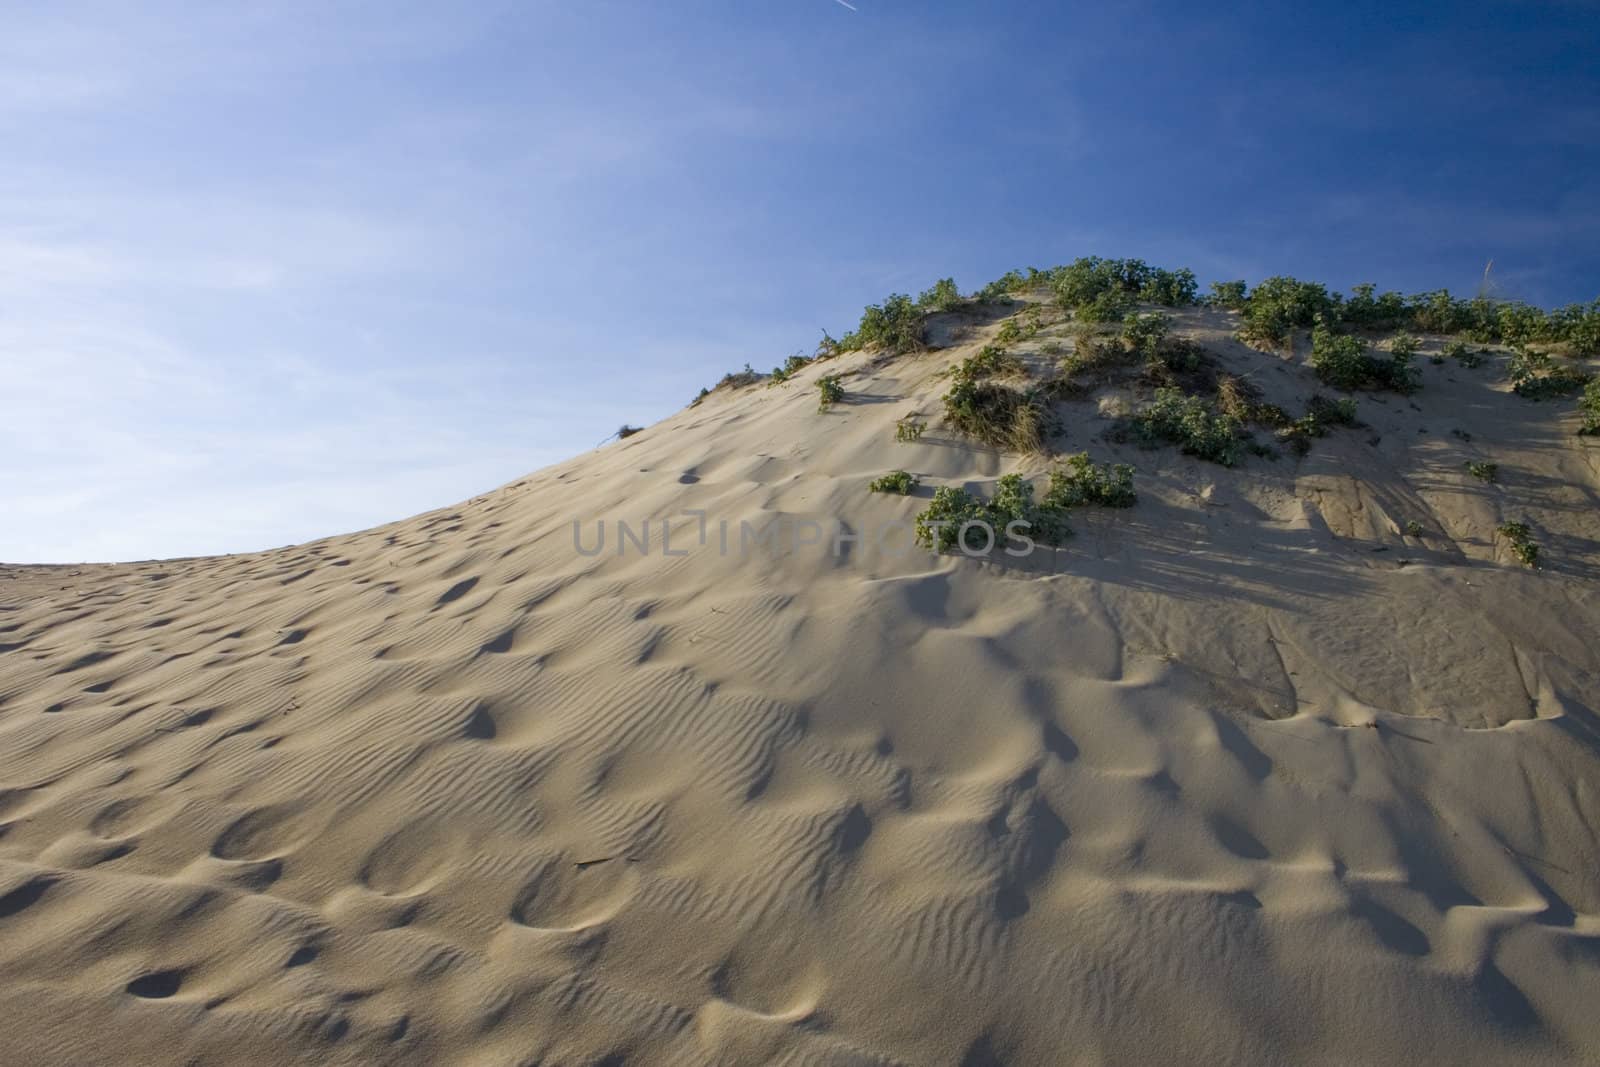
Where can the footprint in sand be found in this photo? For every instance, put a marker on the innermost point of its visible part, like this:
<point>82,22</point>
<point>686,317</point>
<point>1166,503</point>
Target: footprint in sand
<point>25,896</point>
<point>568,897</point>
<point>265,833</point>
<point>158,985</point>
<point>409,860</point>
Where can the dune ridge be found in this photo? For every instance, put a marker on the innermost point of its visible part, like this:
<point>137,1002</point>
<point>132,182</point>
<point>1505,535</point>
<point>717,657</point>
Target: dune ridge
<point>1247,773</point>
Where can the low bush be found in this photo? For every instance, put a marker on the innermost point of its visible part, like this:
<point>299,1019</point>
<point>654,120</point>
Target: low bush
<point>1109,306</point>
<point>1367,311</point>
<point>1579,326</point>
<point>988,361</point>
<point>1463,354</point>
<point>999,291</point>
<point>626,431</point>
<point>1010,333</point>
<point>1536,376</point>
<point>895,482</point>
<point>895,325</point>
<point>939,526</point>
<point>1190,423</point>
<point>1081,482</point>
<point>1589,407</point>
<point>1322,414</point>
<point>1095,353</point>
<point>1143,334</point>
<point>1413,528</point>
<point>955,518</point>
<point>1518,324</point>
<point>944,296</point>
<point>1483,470</point>
<point>996,415</point>
<point>1279,305</point>
<point>1520,538</point>
<point>1178,361</point>
<point>1240,401</point>
<point>1169,288</point>
<point>1230,295</point>
<point>1100,290</point>
<point>791,366</point>
<point>1404,345</point>
<point>830,392</point>
<point>1013,502</point>
<point>909,429</point>
<point>1343,362</point>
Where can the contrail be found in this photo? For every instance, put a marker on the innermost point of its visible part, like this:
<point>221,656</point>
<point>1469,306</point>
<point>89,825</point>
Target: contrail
<point>846,3</point>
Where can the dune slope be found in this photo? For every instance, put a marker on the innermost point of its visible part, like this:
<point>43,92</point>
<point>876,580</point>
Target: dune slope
<point>1247,773</point>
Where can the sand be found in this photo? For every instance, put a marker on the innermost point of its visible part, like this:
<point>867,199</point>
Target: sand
<point>1244,774</point>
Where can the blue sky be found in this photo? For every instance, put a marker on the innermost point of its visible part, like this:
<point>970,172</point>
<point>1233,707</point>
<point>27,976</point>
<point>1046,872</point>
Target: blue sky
<point>274,271</point>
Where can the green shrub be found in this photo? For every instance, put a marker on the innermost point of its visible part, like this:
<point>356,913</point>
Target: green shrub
<point>944,296</point>
<point>1322,414</point>
<point>1013,501</point>
<point>1463,354</point>
<point>791,366</point>
<point>1082,482</point>
<point>1143,334</point>
<point>1521,540</point>
<point>1535,375</point>
<point>1589,406</point>
<point>1230,295</point>
<point>1343,362</point>
<point>1173,358</point>
<point>1579,326</point>
<point>627,431</point>
<point>1109,306</point>
<point>1437,312</point>
<point>1279,305</point>
<point>1366,311</point>
<point>1081,281</point>
<point>1340,412</point>
<point>895,482</point>
<point>1241,401</point>
<point>988,361</point>
<point>1011,331</point>
<point>939,526</point>
<point>1413,528</point>
<point>1096,355</point>
<point>827,348</point>
<point>1517,324</point>
<point>1483,470</point>
<point>895,325</point>
<point>909,429</point>
<point>701,395</point>
<point>1174,288</point>
<point>1404,345</point>
<point>1192,424</point>
<point>830,392</point>
<point>1339,359</point>
<point>999,291</point>
<point>996,415</point>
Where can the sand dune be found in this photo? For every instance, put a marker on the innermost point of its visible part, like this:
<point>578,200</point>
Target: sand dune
<point>1244,774</point>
